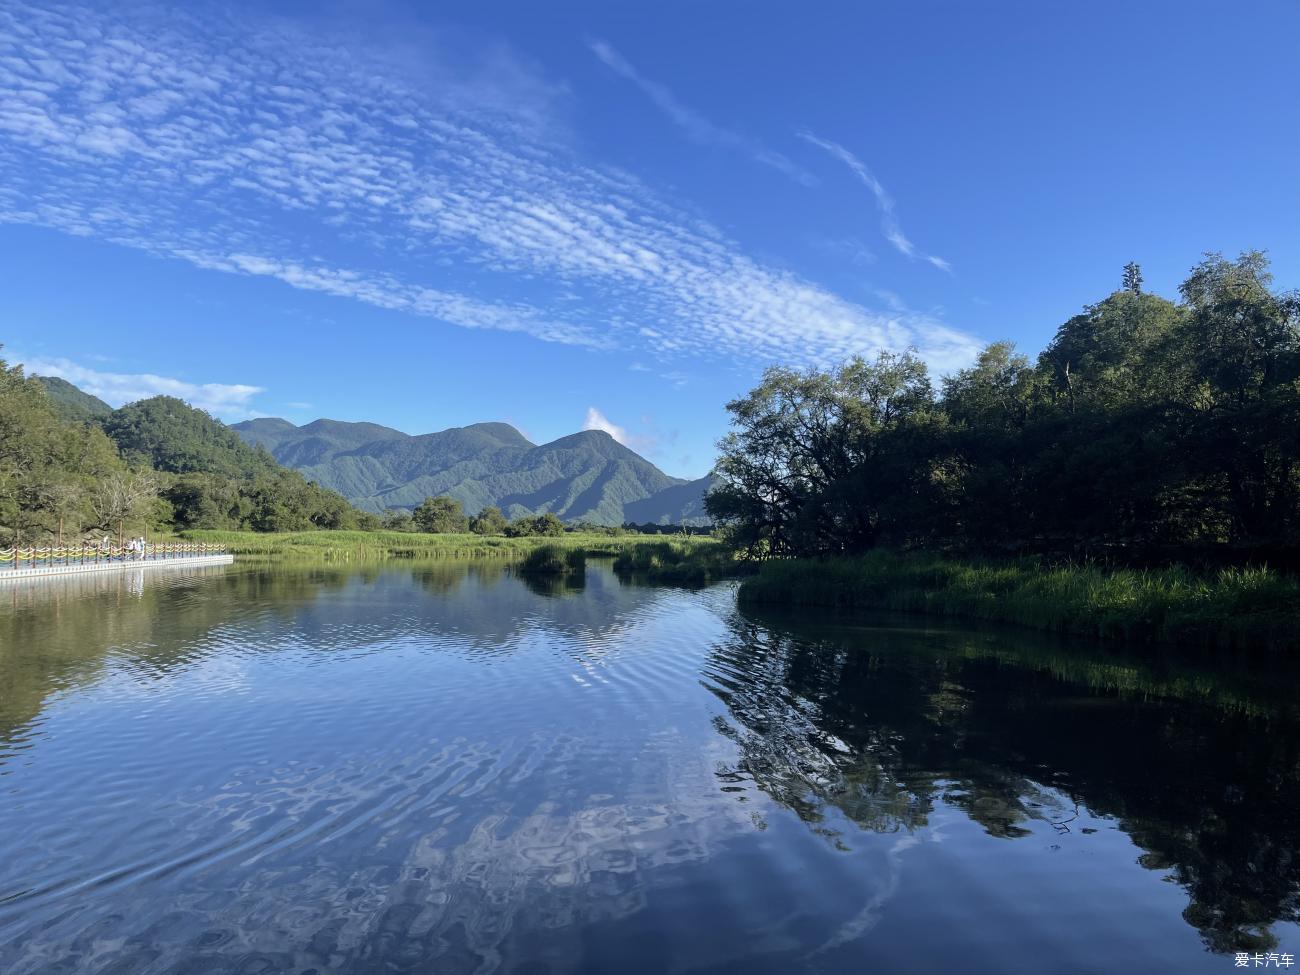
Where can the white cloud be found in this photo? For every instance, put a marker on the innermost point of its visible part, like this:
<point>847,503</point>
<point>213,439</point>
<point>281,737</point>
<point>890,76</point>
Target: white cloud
<point>229,401</point>
<point>888,219</point>
<point>597,420</point>
<point>264,152</point>
<point>692,122</point>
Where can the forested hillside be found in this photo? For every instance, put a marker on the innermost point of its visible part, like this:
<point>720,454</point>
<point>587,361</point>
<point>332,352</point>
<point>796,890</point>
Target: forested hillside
<point>71,403</point>
<point>71,465</point>
<point>584,477</point>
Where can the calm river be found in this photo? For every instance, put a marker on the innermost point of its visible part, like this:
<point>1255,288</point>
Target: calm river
<point>445,769</point>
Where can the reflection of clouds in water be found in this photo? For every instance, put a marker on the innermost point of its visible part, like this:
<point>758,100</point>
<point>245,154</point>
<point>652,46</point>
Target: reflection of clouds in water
<point>432,771</point>
<point>869,916</point>
<point>450,853</point>
<point>391,804</point>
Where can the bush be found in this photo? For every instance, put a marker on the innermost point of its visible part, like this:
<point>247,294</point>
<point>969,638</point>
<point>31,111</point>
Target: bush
<point>554,560</point>
<point>440,516</point>
<point>686,563</point>
<point>489,521</point>
<point>547,525</point>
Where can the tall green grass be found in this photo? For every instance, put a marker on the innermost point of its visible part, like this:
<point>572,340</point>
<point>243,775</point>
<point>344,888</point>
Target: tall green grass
<point>683,562</point>
<point>555,561</point>
<point>359,546</point>
<point>1247,607</point>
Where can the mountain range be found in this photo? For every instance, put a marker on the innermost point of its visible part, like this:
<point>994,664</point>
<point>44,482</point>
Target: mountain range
<point>587,476</point>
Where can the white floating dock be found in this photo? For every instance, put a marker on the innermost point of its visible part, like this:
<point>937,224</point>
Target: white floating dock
<point>30,572</point>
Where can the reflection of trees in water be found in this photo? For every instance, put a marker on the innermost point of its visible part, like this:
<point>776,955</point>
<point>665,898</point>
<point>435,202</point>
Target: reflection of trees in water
<point>60,633</point>
<point>551,586</point>
<point>446,578</point>
<point>881,728</point>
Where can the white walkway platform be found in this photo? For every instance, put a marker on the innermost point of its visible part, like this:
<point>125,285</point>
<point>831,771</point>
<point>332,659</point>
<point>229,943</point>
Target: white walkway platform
<point>28,572</point>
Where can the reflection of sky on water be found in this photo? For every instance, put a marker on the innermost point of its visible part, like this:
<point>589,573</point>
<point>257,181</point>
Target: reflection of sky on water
<point>442,769</point>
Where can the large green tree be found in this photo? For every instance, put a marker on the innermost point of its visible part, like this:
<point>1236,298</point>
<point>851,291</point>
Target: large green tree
<point>489,521</point>
<point>440,515</point>
<point>821,461</point>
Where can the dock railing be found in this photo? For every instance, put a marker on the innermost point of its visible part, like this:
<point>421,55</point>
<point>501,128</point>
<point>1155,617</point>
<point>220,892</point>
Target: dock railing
<point>35,558</point>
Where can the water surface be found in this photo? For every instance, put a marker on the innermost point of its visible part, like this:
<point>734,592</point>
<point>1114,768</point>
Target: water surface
<point>447,769</point>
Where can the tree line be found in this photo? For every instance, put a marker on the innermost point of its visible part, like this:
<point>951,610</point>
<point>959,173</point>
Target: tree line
<point>445,515</point>
<point>1148,429</point>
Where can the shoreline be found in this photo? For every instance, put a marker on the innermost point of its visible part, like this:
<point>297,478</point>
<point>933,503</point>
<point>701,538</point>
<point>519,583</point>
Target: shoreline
<point>1238,609</point>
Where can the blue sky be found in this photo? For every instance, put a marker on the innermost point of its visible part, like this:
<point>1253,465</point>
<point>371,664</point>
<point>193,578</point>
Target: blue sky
<point>567,215</point>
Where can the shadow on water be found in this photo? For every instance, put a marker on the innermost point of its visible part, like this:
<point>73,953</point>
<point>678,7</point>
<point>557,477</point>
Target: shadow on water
<point>450,767</point>
<point>883,719</point>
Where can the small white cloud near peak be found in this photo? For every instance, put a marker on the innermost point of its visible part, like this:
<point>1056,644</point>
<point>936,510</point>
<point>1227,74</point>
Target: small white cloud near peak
<point>597,420</point>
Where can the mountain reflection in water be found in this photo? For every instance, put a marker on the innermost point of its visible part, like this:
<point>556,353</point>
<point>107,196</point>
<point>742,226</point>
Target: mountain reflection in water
<point>449,768</point>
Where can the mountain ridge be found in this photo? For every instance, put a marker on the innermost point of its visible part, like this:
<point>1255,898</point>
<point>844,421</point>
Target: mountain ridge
<point>584,476</point>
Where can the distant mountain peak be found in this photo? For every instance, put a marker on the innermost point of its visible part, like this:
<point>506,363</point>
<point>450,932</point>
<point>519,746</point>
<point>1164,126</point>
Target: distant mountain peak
<point>502,431</point>
<point>265,423</point>
<point>585,476</point>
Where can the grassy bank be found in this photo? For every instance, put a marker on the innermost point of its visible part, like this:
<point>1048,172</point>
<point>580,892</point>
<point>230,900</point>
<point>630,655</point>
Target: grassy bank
<point>682,562</point>
<point>358,546</point>
<point>1248,608</point>
<point>554,561</point>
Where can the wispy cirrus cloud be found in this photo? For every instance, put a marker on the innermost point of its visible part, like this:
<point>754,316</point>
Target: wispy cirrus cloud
<point>695,125</point>
<point>261,151</point>
<point>889,225</point>
<point>229,401</point>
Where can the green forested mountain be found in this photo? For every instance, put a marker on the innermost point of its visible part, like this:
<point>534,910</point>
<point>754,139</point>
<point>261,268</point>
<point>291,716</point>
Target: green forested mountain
<point>70,465</point>
<point>71,403</point>
<point>587,476</point>
<point>168,434</point>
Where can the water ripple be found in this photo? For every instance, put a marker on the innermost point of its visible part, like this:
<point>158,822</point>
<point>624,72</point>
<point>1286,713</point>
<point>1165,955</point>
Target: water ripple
<point>443,769</point>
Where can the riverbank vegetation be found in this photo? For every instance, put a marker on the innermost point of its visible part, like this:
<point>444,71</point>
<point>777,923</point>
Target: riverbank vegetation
<point>682,562</point>
<point>1228,608</point>
<point>362,546</point>
<point>555,561</point>
<point>1149,433</point>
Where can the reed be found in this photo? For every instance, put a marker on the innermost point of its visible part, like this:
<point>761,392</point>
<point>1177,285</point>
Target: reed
<point>364,546</point>
<point>1238,607</point>
<point>684,561</point>
<point>558,561</point>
